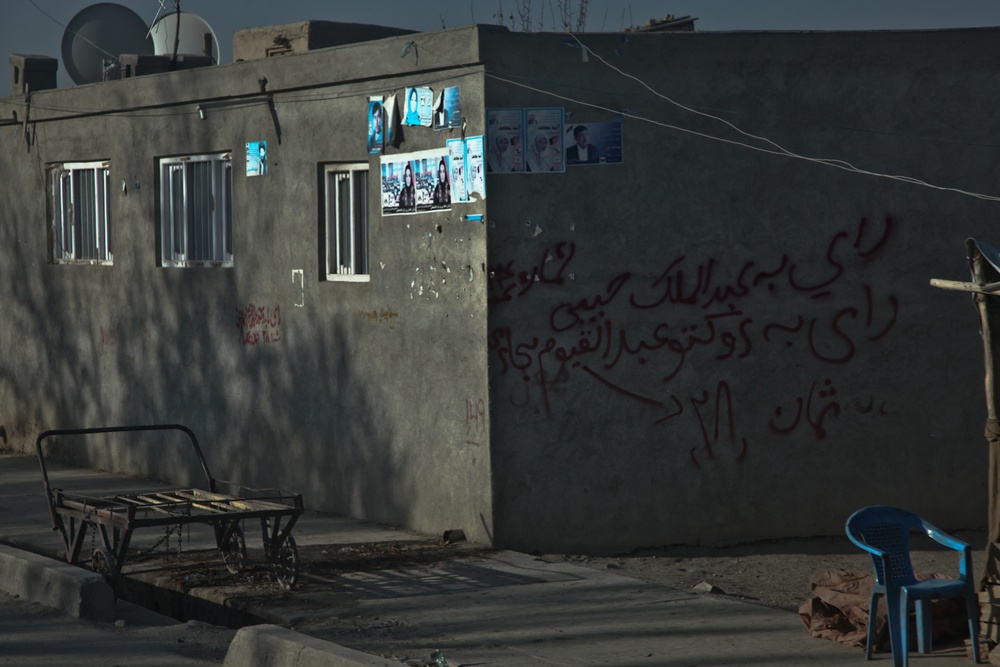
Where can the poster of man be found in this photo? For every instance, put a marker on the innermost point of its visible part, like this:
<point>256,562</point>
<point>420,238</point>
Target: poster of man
<point>505,141</point>
<point>448,109</point>
<point>594,143</point>
<point>544,133</point>
<point>256,158</point>
<point>376,125</point>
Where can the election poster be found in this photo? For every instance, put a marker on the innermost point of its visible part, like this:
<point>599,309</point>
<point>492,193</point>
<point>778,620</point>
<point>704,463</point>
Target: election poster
<point>544,140</point>
<point>505,141</point>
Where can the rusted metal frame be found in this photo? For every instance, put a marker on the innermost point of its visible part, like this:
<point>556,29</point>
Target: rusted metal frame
<point>115,517</point>
<point>273,534</point>
<point>212,485</point>
<point>224,530</point>
<point>73,539</point>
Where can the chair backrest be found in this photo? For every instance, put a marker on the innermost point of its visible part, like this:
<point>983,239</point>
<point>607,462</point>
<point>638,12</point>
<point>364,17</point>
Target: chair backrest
<point>887,529</point>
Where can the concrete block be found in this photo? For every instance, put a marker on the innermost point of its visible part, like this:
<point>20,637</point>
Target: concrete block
<point>70,589</point>
<point>274,646</point>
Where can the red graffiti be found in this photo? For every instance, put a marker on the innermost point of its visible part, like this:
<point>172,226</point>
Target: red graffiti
<point>637,329</point>
<point>723,418</point>
<point>805,409</point>
<point>506,283</point>
<point>258,324</point>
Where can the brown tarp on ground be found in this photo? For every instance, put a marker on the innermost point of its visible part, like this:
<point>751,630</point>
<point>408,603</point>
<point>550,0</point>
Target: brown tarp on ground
<point>837,609</point>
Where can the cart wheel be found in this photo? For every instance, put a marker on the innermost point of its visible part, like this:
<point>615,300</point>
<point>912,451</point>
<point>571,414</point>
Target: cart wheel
<point>286,564</point>
<point>102,562</point>
<point>234,551</point>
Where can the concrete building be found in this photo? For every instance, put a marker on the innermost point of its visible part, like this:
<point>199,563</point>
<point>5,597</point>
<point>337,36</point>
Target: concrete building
<point>691,334</point>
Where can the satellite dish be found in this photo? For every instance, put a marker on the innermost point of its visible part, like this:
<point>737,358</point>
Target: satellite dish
<point>192,30</point>
<point>97,36</point>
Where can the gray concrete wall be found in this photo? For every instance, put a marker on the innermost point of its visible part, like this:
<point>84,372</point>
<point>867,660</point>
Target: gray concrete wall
<point>704,344</point>
<point>713,344</point>
<point>360,401</point>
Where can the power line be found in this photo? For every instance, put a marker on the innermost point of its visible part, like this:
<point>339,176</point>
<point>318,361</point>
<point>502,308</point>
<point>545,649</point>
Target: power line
<point>60,23</point>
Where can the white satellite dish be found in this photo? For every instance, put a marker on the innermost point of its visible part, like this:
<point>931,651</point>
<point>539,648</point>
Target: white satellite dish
<point>97,36</point>
<point>192,30</point>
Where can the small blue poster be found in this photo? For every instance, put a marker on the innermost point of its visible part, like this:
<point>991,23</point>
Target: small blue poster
<point>376,125</point>
<point>419,108</point>
<point>256,158</point>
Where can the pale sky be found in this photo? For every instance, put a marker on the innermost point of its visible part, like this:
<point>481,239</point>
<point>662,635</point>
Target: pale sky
<point>37,26</point>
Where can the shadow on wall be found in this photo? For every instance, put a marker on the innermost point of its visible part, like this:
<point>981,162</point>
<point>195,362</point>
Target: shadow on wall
<point>85,346</point>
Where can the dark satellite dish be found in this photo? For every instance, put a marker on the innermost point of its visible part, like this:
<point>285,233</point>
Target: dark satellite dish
<point>196,36</point>
<point>97,36</point>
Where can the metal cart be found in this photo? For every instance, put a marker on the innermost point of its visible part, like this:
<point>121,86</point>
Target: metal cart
<point>115,517</point>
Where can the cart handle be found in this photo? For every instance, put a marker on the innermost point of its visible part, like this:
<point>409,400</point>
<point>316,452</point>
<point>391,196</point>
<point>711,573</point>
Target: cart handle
<point>212,486</point>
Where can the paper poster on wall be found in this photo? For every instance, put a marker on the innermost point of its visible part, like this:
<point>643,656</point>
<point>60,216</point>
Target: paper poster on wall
<point>419,106</point>
<point>399,192</point>
<point>594,143</point>
<point>456,160</point>
<point>448,109</point>
<point>544,140</point>
<point>376,124</point>
<point>391,120</point>
<point>256,158</point>
<point>475,166</point>
<point>433,179</point>
<point>505,140</point>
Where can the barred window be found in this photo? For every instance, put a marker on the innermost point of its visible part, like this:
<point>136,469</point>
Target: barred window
<point>196,212</point>
<point>81,213</point>
<point>347,222</point>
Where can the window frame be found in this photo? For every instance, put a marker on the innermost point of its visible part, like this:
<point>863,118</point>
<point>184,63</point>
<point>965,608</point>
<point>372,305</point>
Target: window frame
<point>347,255</point>
<point>186,220</point>
<point>68,202</point>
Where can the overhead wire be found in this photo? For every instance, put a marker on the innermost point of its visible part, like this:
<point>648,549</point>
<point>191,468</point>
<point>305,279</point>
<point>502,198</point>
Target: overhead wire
<point>778,149</point>
<point>60,23</point>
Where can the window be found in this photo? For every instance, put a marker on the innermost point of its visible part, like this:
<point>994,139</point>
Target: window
<point>347,222</point>
<point>196,210</point>
<point>81,213</point>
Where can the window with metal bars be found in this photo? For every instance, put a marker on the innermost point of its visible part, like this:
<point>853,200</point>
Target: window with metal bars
<point>81,213</point>
<point>196,211</point>
<point>346,196</point>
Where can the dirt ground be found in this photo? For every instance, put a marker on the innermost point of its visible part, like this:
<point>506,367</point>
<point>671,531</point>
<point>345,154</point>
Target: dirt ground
<point>775,573</point>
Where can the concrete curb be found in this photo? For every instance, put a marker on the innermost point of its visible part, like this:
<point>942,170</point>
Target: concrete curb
<point>274,646</point>
<point>70,589</point>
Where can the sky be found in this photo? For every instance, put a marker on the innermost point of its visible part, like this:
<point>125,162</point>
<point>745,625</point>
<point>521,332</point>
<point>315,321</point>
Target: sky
<point>37,26</point>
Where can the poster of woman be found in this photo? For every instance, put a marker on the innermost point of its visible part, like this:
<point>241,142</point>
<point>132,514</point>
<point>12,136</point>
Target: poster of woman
<point>399,192</point>
<point>544,140</point>
<point>456,158</point>
<point>505,141</point>
<point>475,167</point>
<point>416,182</point>
<point>432,180</point>
<point>419,106</point>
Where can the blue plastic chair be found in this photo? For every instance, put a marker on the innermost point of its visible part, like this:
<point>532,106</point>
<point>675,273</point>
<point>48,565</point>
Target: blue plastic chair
<point>884,532</point>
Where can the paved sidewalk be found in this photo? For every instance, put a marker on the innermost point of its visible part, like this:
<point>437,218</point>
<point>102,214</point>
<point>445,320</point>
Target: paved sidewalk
<point>498,608</point>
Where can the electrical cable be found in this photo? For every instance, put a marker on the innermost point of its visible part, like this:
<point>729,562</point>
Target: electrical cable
<point>779,150</point>
<point>108,53</point>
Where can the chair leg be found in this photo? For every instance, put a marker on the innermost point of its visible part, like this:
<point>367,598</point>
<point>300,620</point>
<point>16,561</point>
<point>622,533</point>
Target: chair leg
<point>872,613</point>
<point>923,608</point>
<point>972,609</point>
<point>897,603</point>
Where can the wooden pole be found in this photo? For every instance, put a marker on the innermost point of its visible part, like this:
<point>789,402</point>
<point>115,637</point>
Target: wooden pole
<point>985,283</point>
